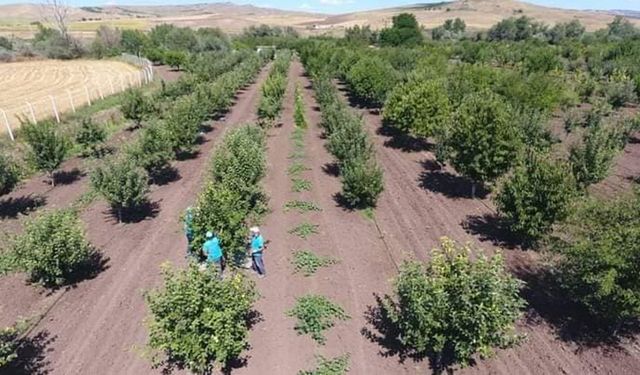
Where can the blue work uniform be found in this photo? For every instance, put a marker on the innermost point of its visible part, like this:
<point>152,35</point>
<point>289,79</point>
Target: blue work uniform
<point>212,250</point>
<point>257,246</point>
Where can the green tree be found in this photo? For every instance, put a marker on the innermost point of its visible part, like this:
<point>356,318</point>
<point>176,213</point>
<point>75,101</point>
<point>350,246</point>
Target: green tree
<point>47,147</point>
<point>371,79</point>
<point>405,31</point>
<point>53,248</point>
<point>362,182</point>
<point>536,195</point>
<point>135,106</point>
<point>454,307</point>
<point>90,136</point>
<point>200,320</point>
<point>175,59</point>
<point>599,247</point>
<point>592,159</point>
<point>419,107</point>
<point>151,151</point>
<point>134,41</point>
<point>482,143</point>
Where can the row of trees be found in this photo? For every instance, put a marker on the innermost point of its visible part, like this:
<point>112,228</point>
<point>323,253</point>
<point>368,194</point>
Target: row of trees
<point>273,90</point>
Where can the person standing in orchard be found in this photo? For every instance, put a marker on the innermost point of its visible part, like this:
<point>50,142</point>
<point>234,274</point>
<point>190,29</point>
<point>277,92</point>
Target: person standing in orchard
<point>213,252</point>
<point>257,248</point>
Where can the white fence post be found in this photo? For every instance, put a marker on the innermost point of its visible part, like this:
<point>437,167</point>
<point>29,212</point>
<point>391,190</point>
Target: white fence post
<point>6,123</point>
<point>139,79</point>
<point>122,84</point>
<point>33,113</point>
<point>100,92</point>
<point>86,91</point>
<point>73,106</point>
<point>55,108</point>
<point>113,89</point>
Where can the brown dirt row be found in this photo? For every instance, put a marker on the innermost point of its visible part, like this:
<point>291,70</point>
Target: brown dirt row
<point>421,203</point>
<point>97,326</point>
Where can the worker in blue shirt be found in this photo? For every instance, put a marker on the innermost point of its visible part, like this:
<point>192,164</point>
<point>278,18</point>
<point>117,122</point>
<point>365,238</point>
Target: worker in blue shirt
<point>213,251</point>
<point>257,248</point>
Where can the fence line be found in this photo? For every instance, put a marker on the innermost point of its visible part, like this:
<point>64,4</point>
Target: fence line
<point>52,106</point>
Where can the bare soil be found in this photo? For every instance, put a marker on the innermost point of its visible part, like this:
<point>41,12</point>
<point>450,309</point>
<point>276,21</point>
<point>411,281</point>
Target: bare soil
<point>97,326</point>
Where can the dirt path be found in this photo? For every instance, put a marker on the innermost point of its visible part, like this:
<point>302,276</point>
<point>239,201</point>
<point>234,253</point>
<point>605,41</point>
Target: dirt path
<point>364,266</point>
<point>421,203</point>
<point>97,327</point>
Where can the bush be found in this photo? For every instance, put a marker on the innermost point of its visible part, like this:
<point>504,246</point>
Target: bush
<point>135,106</point>
<point>273,90</point>
<point>361,182</point>
<point>536,196</point>
<point>371,79</point>
<point>350,141</point>
<point>90,137</point>
<point>600,246</point>
<point>619,90</point>
<point>315,315</point>
<point>419,107</point>
<point>9,174</point>
<point>199,320</point>
<point>122,184</point>
<point>592,159</point>
<point>53,248</point>
<point>152,151</point>
<point>175,59</point>
<point>183,123</point>
<point>453,307</point>
<point>335,366</point>
<point>482,143</point>
<point>298,115</point>
<point>8,346</point>
<point>47,147</point>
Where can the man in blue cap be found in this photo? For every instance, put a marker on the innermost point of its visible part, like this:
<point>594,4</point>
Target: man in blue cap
<point>257,248</point>
<point>213,251</point>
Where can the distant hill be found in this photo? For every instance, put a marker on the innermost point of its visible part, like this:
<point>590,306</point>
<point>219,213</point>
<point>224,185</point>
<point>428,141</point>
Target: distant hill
<point>478,14</point>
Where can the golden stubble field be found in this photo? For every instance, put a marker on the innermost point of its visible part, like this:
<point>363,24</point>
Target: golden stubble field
<point>65,84</point>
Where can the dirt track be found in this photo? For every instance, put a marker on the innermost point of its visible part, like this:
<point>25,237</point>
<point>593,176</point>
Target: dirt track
<point>96,327</point>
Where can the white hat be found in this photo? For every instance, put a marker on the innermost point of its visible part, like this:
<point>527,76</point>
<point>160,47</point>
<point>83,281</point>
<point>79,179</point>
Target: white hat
<point>254,230</point>
<point>209,234</point>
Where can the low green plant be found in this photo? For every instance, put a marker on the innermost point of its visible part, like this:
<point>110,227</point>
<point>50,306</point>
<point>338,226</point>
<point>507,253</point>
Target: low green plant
<point>53,248</point>
<point>307,262</point>
<point>300,184</point>
<point>122,184</point>
<point>304,230</point>
<point>297,168</point>
<point>9,174</point>
<point>298,114</point>
<point>199,320</point>
<point>90,136</point>
<point>8,346</point>
<point>315,314</point>
<point>47,146</point>
<point>454,307</point>
<point>334,366</point>
<point>301,206</point>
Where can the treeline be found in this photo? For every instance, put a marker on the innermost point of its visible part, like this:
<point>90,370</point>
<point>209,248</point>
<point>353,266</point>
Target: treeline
<point>273,89</point>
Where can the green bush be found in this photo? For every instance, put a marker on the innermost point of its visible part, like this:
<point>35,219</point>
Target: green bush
<point>135,106</point>
<point>316,314</point>
<point>90,137</point>
<point>53,248</point>
<point>619,89</point>
<point>151,151</point>
<point>419,107</point>
<point>536,195</point>
<point>122,183</point>
<point>371,79</point>
<point>199,320</point>
<point>307,262</point>
<point>47,147</point>
<point>453,307</point>
<point>362,182</point>
<point>592,159</point>
<point>183,123</point>
<point>8,346</point>
<point>599,246</point>
<point>298,115</point>
<point>175,59</point>
<point>482,143</point>
<point>350,141</point>
<point>9,174</point>
<point>335,366</point>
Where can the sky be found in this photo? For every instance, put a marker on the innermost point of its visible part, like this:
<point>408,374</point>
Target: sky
<point>343,6</point>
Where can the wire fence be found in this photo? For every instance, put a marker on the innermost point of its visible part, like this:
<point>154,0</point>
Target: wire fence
<point>85,93</point>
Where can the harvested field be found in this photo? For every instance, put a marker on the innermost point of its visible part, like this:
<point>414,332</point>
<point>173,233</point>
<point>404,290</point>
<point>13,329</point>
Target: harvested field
<point>70,84</point>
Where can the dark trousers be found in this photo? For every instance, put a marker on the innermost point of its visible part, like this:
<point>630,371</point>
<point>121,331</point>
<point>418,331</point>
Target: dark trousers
<point>258,263</point>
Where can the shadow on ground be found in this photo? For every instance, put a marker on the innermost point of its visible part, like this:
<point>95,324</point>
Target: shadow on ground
<point>32,355</point>
<point>148,210</point>
<point>10,208</point>
<point>400,140</point>
<point>449,184</point>
<point>67,177</point>
<point>492,228</point>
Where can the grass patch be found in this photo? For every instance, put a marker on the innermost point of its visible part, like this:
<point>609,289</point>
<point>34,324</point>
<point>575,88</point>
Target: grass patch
<point>300,184</point>
<point>301,206</point>
<point>307,263</point>
<point>297,155</point>
<point>297,168</point>
<point>315,315</point>
<point>369,213</point>
<point>335,366</point>
<point>304,230</point>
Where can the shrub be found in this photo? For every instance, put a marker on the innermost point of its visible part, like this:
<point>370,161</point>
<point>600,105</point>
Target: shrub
<point>361,182</point>
<point>350,141</point>
<point>592,159</point>
<point>419,107</point>
<point>182,124</point>
<point>298,115</point>
<point>53,248</point>
<point>483,143</point>
<point>371,79</point>
<point>599,246</point>
<point>335,366</point>
<point>199,320</point>
<point>316,314</point>
<point>90,137</point>
<point>405,31</point>
<point>47,147</point>
<point>175,59</point>
<point>9,174</point>
<point>151,151</point>
<point>135,106</point>
<point>307,262</point>
<point>453,307</point>
<point>536,196</point>
<point>122,184</point>
<point>619,89</point>
<point>8,346</point>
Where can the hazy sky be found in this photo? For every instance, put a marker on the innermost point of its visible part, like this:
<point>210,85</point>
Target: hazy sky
<point>341,6</point>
